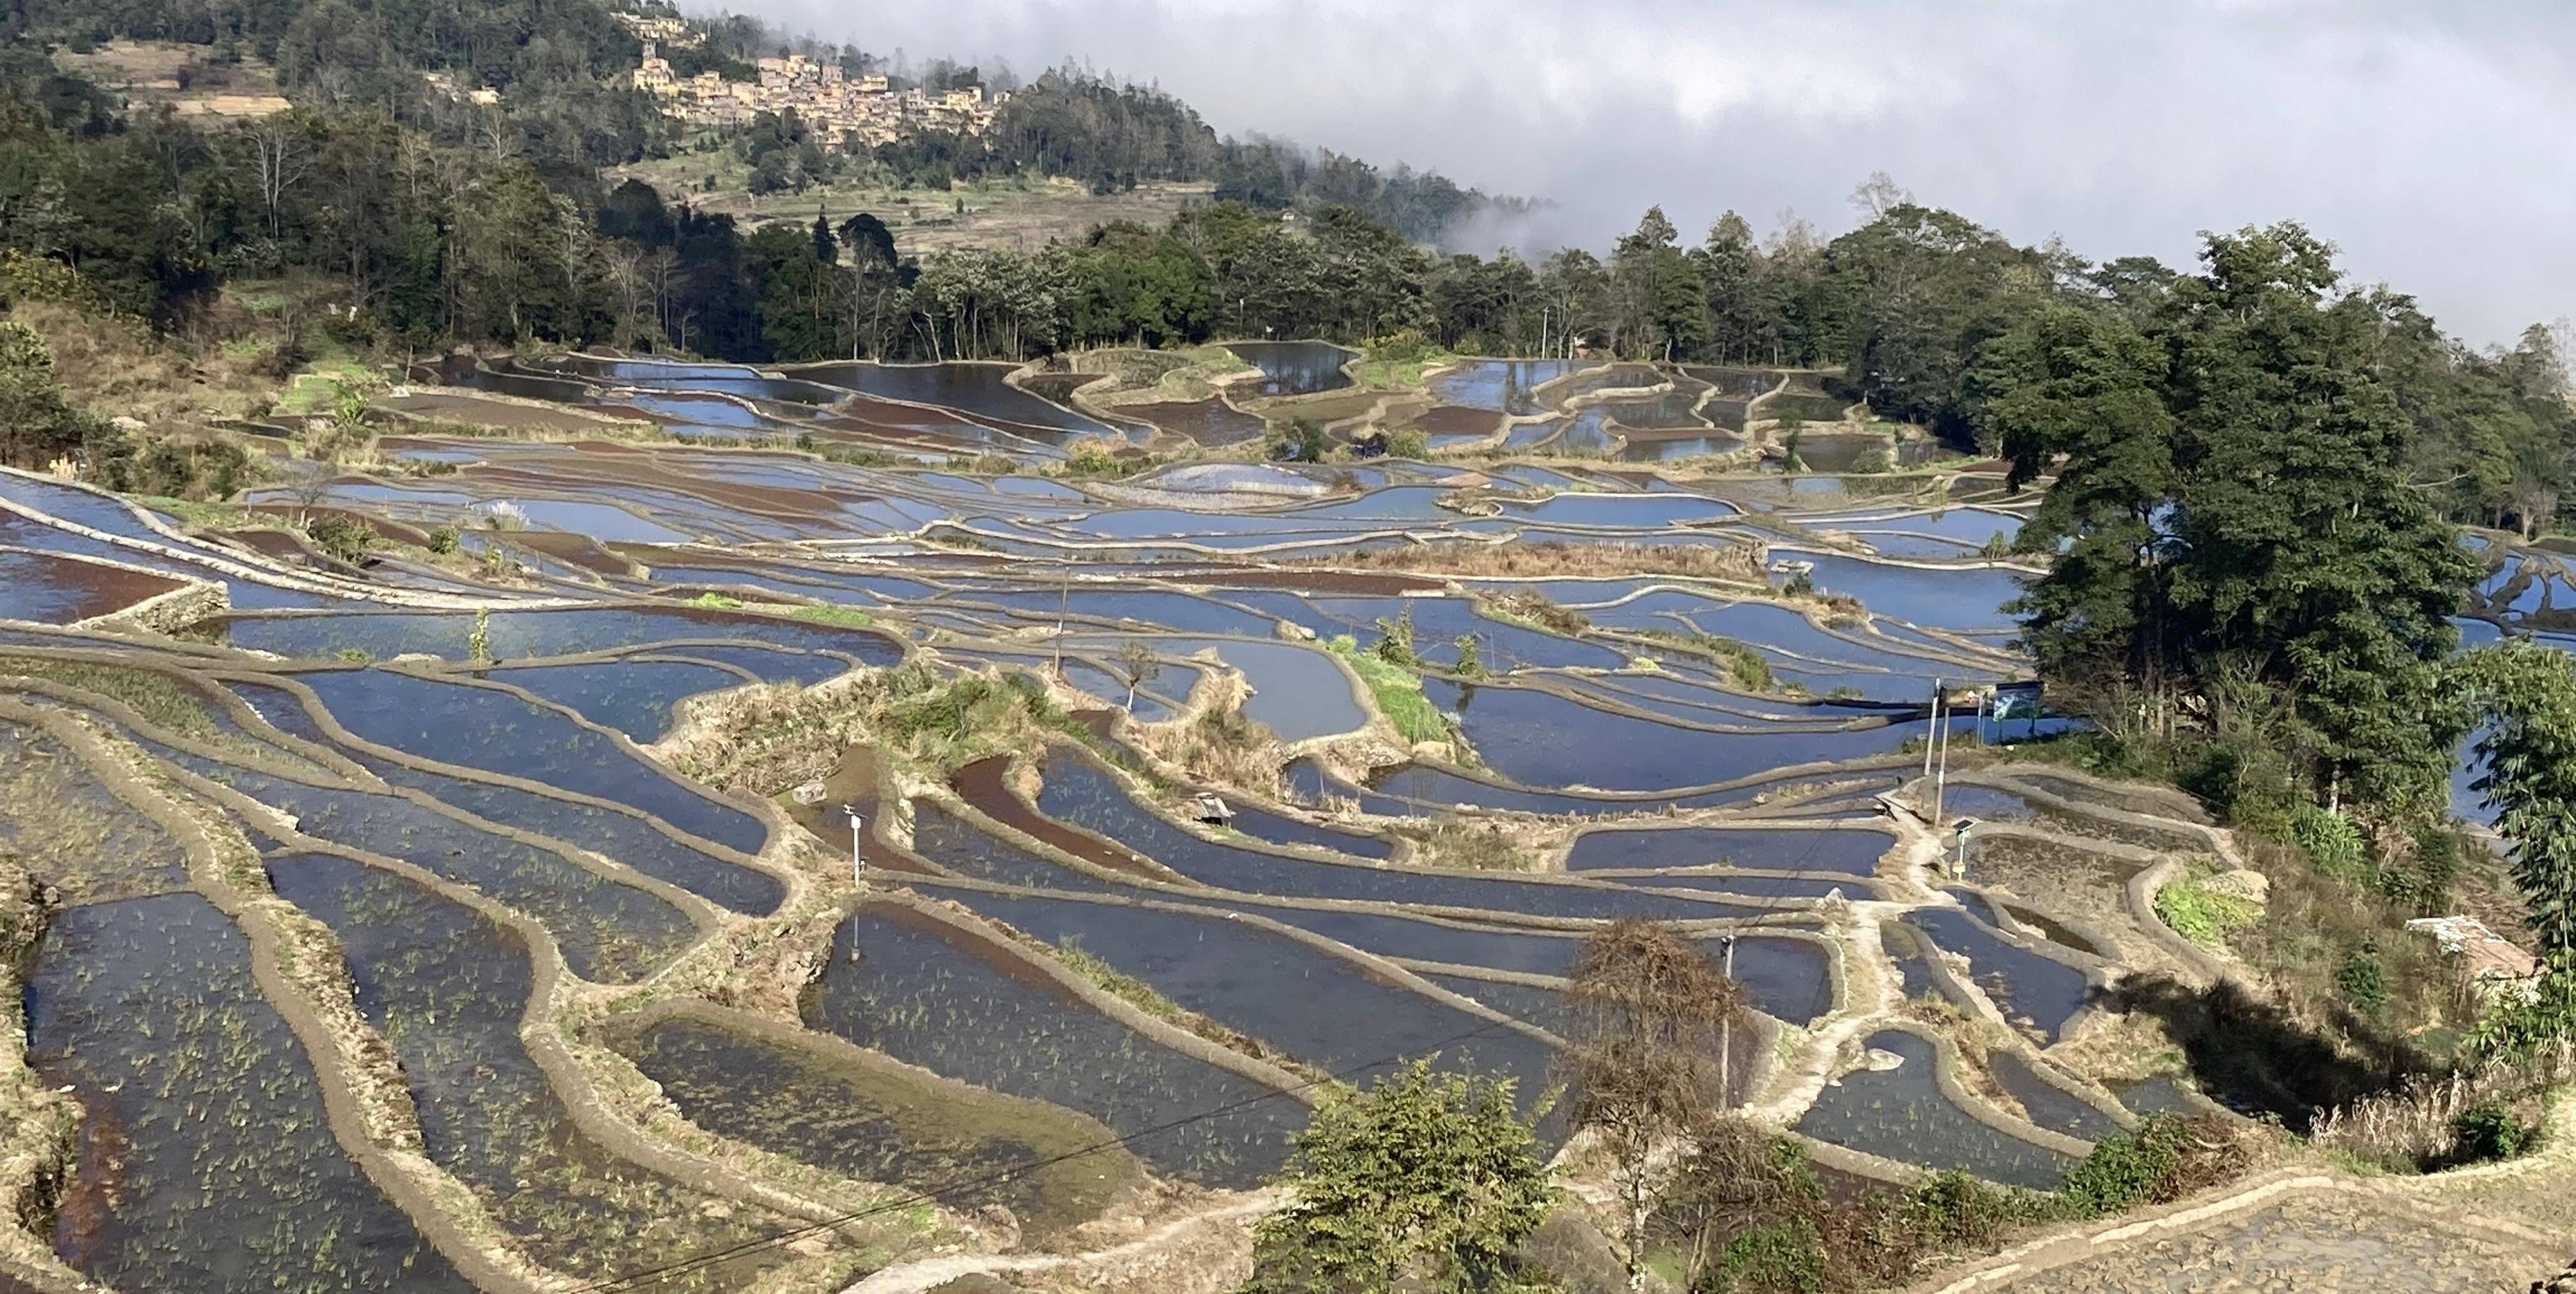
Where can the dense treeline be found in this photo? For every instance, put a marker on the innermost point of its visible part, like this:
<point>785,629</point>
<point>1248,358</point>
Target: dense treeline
<point>559,65</point>
<point>1114,136</point>
<point>556,61</point>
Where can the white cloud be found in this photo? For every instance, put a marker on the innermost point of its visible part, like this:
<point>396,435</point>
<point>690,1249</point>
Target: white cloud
<point>2427,140</point>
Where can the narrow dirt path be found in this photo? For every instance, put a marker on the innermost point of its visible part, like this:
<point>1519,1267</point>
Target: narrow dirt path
<point>1204,1245</point>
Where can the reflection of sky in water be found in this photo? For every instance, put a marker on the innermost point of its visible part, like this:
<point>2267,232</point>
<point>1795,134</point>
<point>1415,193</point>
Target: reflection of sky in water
<point>1295,367</point>
<point>1500,386</point>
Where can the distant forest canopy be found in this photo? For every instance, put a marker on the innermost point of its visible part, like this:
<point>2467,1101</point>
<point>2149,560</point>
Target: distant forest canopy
<point>451,222</point>
<point>560,64</point>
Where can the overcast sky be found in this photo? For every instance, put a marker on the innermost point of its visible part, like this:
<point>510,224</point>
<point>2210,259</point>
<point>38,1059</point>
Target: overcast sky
<point>2430,141</point>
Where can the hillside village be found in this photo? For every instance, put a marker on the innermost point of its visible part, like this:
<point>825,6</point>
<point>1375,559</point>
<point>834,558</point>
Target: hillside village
<point>843,110</point>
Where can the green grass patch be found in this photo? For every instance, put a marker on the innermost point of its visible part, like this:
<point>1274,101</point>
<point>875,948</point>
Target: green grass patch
<point>313,390</point>
<point>1217,359</point>
<point>160,699</point>
<point>221,516</point>
<point>1745,666</point>
<point>2203,915</point>
<point>1119,984</point>
<point>1398,373</point>
<point>716,602</point>
<point>833,614</point>
<point>1398,692</point>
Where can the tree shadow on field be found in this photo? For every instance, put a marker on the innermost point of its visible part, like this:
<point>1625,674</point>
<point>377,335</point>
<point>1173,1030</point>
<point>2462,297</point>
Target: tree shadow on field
<point>2255,1056</point>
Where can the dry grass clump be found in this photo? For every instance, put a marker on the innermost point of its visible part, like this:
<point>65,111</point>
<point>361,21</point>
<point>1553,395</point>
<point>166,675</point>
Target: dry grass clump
<point>1977,1037</point>
<point>2430,1122</point>
<point>1533,607</point>
<point>1470,846</point>
<point>1748,1212</point>
<point>117,368</point>
<point>1740,563</point>
<point>1219,745</point>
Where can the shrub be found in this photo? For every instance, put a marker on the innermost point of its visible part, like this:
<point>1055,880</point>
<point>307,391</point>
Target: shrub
<point>1405,346</point>
<point>2332,842</point>
<point>1470,665</point>
<point>1953,1210</point>
<point>2363,981</point>
<point>1787,1257</point>
<point>1408,442</point>
<point>443,540</point>
<point>341,537</point>
<point>1395,640</point>
<point>1751,672</point>
<point>2160,1161</point>
<point>2489,1130</point>
<point>2533,1023</point>
<point>1748,1213</point>
<point>1093,456</point>
<point>1433,1175</point>
<point>2202,915</point>
<point>1304,442</point>
<point>2425,883</point>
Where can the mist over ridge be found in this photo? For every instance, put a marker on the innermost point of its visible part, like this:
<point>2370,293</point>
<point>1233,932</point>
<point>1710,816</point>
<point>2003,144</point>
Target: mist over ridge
<point>2417,139</point>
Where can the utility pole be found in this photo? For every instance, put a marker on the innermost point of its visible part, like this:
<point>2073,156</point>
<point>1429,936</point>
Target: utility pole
<point>1941,775</point>
<point>1064,603</point>
<point>858,845</point>
<point>1927,734</point>
<point>1726,1039</point>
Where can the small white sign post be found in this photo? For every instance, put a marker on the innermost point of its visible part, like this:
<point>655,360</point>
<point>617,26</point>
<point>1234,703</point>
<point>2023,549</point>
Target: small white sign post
<point>858,845</point>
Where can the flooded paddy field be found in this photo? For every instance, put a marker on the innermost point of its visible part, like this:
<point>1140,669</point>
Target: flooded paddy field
<point>1179,790</point>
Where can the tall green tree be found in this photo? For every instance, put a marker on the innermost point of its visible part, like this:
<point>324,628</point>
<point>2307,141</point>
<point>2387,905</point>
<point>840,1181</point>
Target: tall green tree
<point>2084,387</point>
<point>2527,695</point>
<point>1661,301</point>
<point>1426,1182</point>
<point>2305,547</point>
<point>2234,493</point>
<point>38,422</point>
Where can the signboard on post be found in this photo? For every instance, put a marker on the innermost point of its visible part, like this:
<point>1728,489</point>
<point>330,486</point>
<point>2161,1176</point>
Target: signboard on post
<point>2019,701</point>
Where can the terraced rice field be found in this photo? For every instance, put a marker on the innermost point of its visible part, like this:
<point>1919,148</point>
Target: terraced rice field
<point>476,933</point>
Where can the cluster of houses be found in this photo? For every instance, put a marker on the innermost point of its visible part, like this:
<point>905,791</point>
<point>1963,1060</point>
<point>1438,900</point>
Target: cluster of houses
<point>840,109</point>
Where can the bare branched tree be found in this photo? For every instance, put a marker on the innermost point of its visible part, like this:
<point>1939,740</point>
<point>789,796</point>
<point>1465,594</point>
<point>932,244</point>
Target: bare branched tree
<point>1137,666</point>
<point>1736,1179</point>
<point>281,154</point>
<point>1652,1015</point>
